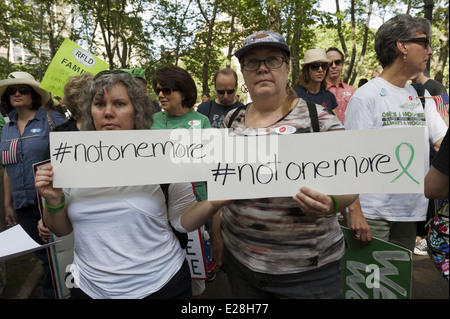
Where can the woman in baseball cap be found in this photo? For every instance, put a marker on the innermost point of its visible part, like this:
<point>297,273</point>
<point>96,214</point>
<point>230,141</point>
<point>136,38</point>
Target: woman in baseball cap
<point>24,141</point>
<point>288,242</point>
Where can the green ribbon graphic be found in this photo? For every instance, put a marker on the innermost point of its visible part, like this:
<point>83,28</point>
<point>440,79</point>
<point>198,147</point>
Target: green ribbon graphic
<point>405,169</point>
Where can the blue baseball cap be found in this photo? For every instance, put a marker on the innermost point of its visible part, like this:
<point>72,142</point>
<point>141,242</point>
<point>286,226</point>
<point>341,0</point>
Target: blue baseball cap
<point>263,38</point>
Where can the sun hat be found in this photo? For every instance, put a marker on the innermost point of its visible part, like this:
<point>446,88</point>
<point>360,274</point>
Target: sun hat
<point>315,55</point>
<point>263,38</point>
<point>20,77</point>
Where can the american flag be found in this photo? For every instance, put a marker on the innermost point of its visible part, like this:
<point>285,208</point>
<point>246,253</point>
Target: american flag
<point>441,104</point>
<point>10,156</point>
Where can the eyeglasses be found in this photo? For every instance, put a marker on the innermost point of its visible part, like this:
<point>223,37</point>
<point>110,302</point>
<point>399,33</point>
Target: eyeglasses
<point>221,92</point>
<point>271,62</point>
<point>165,91</point>
<point>336,62</point>
<point>426,41</point>
<point>24,90</point>
<point>316,66</point>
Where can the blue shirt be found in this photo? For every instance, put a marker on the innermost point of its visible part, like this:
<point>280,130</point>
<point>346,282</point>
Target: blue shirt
<point>30,150</point>
<point>323,97</point>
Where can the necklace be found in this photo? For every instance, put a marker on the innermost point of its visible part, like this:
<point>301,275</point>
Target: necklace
<point>165,119</point>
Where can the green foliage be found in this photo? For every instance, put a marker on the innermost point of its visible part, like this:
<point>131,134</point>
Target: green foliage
<point>154,33</point>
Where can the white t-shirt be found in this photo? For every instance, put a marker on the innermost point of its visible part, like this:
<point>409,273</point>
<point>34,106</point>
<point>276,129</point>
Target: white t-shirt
<point>381,105</point>
<point>124,246</point>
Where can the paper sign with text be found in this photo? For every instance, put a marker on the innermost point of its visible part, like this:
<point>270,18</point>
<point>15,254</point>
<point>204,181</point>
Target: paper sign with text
<point>342,162</point>
<point>69,60</point>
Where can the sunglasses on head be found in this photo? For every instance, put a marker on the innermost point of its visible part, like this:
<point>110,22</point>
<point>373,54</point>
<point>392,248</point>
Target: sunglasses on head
<point>24,90</point>
<point>426,41</point>
<point>223,91</point>
<point>165,91</point>
<point>336,62</point>
<point>316,66</point>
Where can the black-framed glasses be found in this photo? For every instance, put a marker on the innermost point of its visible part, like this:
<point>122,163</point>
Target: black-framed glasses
<point>316,66</point>
<point>271,62</point>
<point>426,41</point>
<point>24,90</point>
<point>166,91</point>
<point>222,92</point>
<point>336,62</point>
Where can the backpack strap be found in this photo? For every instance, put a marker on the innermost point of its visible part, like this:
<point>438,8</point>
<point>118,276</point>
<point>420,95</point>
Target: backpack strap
<point>313,115</point>
<point>235,113</point>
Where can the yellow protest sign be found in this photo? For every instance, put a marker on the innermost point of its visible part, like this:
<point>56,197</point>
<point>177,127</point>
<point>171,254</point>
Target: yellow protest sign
<point>70,60</point>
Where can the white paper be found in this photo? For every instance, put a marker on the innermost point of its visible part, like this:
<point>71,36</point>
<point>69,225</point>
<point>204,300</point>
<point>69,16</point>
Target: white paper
<point>340,162</point>
<point>15,242</point>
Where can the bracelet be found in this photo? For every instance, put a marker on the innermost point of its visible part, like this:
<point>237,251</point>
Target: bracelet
<point>336,206</point>
<point>56,209</point>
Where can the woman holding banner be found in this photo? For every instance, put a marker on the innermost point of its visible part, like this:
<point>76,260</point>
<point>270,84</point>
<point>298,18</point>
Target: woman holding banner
<point>124,244</point>
<point>279,247</point>
<point>24,141</point>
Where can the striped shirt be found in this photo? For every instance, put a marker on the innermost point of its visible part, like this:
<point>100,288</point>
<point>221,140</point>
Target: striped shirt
<point>272,235</point>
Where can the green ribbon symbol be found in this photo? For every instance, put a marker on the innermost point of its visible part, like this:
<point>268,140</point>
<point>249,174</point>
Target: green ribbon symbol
<point>405,169</point>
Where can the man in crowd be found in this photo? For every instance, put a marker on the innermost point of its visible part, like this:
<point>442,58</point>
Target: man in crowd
<point>335,85</point>
<point>225,85</point>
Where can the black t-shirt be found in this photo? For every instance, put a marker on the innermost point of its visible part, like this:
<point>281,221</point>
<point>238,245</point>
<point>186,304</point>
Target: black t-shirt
<point>216,112</point>
<point>441,161</point>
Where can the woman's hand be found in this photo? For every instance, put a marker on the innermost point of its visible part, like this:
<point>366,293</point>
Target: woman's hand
<point>313,203</point>
<point>44,185</point>
<point>44,232</point>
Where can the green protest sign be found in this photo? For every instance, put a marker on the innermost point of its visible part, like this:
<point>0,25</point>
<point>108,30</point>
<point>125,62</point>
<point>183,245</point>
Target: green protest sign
<point>70,60</point>
<point>377,270</point>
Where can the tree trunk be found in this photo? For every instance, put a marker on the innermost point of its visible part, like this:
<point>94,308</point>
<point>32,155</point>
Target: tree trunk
<point>273,16</point>
<point>211,22</point>
<point>428,14</point>
<point>443,54</point>
<point>364,46</point>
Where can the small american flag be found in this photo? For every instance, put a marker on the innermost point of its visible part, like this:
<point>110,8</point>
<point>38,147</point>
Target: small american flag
<point>441,104</point>
<point>10,156</point>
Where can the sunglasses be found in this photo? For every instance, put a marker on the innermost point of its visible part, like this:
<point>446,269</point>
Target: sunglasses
<point>426,41</point>
<point>316,67</point>
<point>336,62</point>
<point>221,92</point>
<point>24,90</point>
<point>165,91</point>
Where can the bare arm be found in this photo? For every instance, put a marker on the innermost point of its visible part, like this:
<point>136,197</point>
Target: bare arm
<point>58,223</point>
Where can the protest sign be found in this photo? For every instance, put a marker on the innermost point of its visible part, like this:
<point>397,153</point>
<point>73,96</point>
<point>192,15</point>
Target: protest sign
<point>376,270</point>
<point>69,60</point>
<point>343,162</point>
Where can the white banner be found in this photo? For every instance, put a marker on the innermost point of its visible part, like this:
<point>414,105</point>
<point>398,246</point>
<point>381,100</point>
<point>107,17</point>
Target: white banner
<point>341,162</point>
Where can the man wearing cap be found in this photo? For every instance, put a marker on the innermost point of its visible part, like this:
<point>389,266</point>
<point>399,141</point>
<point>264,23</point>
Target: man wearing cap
<point>311,84</point>
<point>342,91</point>
<point>225,84</point>
<point>24,141</point>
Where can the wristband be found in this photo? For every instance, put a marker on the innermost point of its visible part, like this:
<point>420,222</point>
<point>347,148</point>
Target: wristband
<point>55,209</point>
<point>336,206</point>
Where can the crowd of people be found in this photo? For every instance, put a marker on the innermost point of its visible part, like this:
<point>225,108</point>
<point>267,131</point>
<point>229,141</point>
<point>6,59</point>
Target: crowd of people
<point>126,242</point>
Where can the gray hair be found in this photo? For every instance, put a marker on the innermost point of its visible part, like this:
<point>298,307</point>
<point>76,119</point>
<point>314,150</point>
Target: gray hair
<point>104,81</point>
<point>400,28</point>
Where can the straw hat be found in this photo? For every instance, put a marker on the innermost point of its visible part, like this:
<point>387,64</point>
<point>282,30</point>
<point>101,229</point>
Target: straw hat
<point>23,78</point>
<point>263,38</point>
<point>315,55</point>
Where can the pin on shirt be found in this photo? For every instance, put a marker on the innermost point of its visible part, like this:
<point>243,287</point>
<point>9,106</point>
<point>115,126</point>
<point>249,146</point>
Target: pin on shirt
<point>383,92</point>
